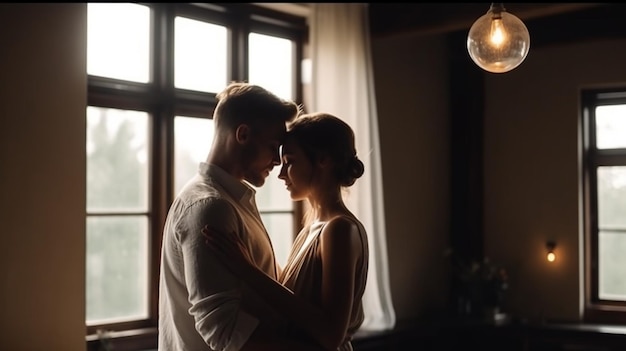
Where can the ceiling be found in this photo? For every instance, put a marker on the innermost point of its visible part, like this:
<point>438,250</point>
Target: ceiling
<point>547,22</point>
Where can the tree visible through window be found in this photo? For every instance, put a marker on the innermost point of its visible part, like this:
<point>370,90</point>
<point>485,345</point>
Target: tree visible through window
<point>117,224</point>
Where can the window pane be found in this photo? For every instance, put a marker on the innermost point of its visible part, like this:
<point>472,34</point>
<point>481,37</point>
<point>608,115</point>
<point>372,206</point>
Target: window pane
<point>612,280</point>
<point>280,228</point>
<point>612,197</point>
<point>271,64</point>
<point>192,140</point>
<point>273,195</point>
<point>117,165</point>
<point>611,126</point>
<point>117,268</point>
<point>200,55</point>
<point>118,41</point>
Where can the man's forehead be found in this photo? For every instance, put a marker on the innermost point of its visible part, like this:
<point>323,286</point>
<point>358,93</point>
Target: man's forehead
<point>280,134</point>
<point>274,131</point>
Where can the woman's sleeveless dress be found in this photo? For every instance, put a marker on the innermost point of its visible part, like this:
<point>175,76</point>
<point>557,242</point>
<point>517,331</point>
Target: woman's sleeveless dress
<point>303,273</point>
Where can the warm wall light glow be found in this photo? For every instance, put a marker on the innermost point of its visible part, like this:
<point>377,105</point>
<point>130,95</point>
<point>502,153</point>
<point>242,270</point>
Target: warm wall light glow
<point>550,246</point>
<point>498,41</point>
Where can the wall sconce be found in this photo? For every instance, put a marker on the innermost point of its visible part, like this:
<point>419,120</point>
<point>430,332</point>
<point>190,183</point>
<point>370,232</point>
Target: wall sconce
<point>550,246</point>
<point>498,41</point>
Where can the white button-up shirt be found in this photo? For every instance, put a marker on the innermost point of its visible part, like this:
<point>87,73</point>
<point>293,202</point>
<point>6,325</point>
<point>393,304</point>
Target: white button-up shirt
<point>200,300</point>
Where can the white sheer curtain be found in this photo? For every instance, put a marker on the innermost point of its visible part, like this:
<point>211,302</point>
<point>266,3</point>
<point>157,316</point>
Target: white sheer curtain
<point>342,84</point>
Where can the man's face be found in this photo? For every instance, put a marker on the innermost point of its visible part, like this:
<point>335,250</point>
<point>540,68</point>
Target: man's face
<point>262,152</point>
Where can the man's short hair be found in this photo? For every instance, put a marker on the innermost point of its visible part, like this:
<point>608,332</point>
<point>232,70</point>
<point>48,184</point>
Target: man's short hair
<point>244,103</point>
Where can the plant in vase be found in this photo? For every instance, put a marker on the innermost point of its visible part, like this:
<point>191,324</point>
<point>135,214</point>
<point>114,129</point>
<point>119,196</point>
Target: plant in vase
<point>481,284</point>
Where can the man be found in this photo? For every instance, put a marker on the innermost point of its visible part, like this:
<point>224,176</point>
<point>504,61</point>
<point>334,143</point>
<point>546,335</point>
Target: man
<point>202,305</point>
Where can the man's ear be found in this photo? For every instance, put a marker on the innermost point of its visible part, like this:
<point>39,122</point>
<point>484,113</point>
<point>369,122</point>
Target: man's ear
<point>242,133</point>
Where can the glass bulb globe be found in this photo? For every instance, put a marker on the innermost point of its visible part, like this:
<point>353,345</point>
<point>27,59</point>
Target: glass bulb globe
<point>498,41</point>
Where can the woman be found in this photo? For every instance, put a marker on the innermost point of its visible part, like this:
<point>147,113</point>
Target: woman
<point>326,271</point>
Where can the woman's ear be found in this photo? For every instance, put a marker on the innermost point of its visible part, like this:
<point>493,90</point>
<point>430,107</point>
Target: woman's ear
<point>323,161</point>
<point>242,133</point>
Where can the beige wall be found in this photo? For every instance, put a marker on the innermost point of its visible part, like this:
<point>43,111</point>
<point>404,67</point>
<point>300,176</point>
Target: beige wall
<point>532,192</point>
<point>412,94</point>
<point>531,159</point>
<point>42,176</point>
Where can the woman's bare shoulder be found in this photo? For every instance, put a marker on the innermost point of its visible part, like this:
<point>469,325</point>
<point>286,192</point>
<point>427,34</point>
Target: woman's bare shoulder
<point>348,224</point>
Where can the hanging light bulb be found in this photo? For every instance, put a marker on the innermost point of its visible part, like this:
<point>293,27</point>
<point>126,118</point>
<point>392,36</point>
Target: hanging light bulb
<point>498,41</point>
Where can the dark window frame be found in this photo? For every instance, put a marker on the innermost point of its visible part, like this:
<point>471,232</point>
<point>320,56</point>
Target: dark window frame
<point>597,310</point>
<point>163,101</point>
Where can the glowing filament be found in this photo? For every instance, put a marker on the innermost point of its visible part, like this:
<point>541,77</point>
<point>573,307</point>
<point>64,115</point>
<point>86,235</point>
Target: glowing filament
<point>497,33</point>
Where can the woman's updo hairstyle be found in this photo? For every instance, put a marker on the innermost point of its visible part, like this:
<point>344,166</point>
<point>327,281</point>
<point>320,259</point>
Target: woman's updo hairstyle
<point>322,134</point>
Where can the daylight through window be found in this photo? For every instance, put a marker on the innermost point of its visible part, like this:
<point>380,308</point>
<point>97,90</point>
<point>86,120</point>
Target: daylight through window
<point>153,73</point>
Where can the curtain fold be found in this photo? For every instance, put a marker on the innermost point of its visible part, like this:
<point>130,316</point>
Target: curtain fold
<point>342,84</point>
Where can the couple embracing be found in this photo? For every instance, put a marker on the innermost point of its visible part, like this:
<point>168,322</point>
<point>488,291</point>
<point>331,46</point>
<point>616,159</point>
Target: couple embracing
<point>220,286</point>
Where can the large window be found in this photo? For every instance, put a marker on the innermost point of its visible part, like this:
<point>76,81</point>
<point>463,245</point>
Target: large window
<point>153,72</point>
<point>604,122</point>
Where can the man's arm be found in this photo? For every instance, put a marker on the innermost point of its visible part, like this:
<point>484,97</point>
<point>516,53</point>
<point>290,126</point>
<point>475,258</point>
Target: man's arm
<point>228,314</point>
<point>213,291</point>
<point>340,250</point>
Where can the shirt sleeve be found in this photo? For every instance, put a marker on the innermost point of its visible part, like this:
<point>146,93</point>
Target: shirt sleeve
<point>214,292</point>
<point>217,327</point>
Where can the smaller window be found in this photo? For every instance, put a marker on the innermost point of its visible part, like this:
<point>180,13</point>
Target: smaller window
<point>604,114</point>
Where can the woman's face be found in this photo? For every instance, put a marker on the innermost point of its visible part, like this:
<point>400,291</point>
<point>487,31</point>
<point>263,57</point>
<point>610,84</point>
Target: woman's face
<point>296,170</point>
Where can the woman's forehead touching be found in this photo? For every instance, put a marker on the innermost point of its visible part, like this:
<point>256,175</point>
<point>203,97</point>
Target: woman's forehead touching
<point>291,147</point>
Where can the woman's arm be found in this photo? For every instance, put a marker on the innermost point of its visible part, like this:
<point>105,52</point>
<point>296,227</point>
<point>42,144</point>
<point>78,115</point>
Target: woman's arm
<point>340,248</point>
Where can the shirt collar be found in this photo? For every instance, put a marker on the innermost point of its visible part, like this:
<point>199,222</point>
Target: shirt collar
<point>239,190</point>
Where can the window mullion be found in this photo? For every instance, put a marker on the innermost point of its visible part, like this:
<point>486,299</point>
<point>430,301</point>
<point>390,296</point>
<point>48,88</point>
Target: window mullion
<point>239,50</point>
<point>162,136</point>
<point>610,158</point>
